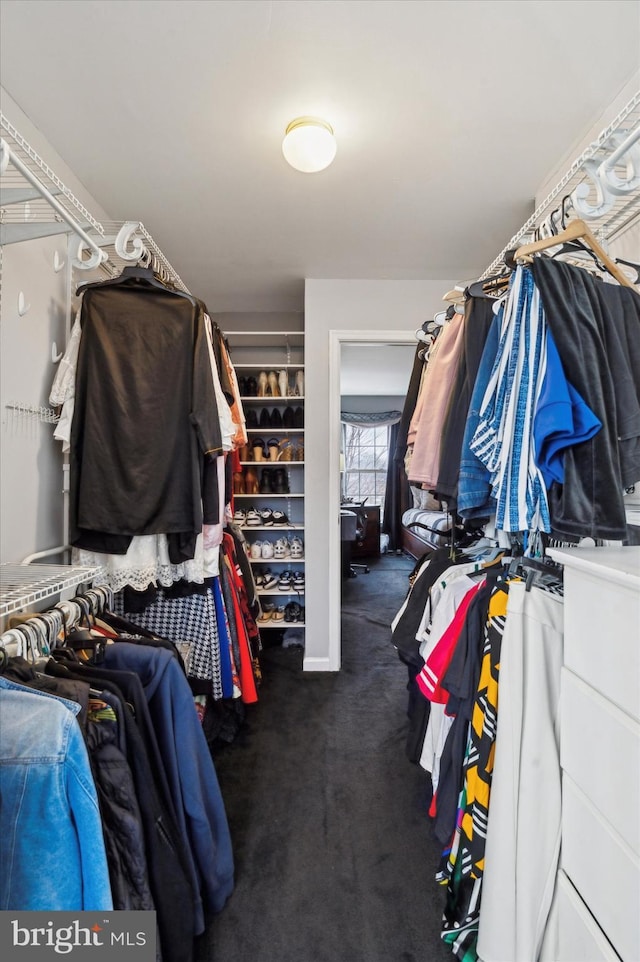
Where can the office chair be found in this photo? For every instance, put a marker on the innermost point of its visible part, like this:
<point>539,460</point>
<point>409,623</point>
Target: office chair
<point>361,530</point>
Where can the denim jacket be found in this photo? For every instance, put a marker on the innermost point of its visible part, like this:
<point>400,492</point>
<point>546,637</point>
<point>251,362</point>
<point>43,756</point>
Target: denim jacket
<point>52,853</point>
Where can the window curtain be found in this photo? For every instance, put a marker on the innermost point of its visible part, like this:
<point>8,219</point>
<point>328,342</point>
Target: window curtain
<point>397,493</point>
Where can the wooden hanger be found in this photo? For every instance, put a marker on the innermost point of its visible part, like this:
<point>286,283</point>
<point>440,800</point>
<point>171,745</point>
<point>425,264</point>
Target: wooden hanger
<point>577,230</point>
<point>456,296</point>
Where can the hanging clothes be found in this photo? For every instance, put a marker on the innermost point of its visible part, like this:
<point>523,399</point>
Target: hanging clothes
<point>50,815</point>
<point>596,327</point>
<point>426,426</point>
<point>144,420</point>
<point>522,848</point>
<point>479,316</point>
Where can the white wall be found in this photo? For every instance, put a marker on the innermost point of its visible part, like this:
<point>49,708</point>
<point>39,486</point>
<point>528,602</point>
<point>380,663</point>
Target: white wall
<point>341,305</point>
<point>31,479</point>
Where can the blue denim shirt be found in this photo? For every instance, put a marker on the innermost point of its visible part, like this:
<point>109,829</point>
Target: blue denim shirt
<point>52,854</point>
<point>474,484</point>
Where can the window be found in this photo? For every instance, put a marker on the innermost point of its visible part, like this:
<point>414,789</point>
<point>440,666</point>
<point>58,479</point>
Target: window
<point>366,452</point>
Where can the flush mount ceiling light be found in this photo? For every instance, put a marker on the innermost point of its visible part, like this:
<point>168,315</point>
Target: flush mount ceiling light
<point>309,144</point>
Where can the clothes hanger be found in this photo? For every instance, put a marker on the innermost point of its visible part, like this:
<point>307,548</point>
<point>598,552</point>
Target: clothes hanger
<point>491,287</point>
<point>138,273</point>
<point>455,296</point>
<point>577,230</point>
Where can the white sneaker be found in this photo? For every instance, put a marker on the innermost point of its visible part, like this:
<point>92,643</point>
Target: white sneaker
<point>281,549</point>
<point>297,548</point>
<point>267,549</point>
<point>255,550</point>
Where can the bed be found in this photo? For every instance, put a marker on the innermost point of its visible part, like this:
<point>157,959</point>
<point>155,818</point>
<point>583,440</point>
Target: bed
<point>417,540</point>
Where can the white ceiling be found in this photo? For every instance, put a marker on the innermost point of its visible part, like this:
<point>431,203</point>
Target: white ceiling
<point>448,114</point>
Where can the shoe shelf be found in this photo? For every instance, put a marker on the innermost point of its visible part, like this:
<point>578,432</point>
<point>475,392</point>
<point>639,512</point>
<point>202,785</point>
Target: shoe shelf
<point>291,366</point>
<point>266,494</point>
<point>272,352</point>
<point>289,593</point>
<point>277,561</point>
<point>281,623</point>
<point>271,527</point>
<point>272,400</point>
<point>266,464</point>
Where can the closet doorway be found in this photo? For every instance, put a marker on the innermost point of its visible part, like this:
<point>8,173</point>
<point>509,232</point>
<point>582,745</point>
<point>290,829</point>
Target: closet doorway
<point>357,357</point>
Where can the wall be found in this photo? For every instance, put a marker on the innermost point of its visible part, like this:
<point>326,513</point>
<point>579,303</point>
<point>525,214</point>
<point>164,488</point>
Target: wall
<point>31,477</point>
<point>374,404</point>
<point>341,305</point>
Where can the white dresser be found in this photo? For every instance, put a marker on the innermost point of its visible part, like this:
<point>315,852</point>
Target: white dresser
<point>598,896</point>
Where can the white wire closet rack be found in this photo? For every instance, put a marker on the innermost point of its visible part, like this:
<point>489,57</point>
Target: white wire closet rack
<point>34,202</point>
<point>602,187</point>
<point>23,585</point>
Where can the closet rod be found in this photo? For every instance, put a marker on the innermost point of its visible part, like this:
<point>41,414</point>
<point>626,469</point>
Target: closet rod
<point>606,150</point>
<point>10,157</point>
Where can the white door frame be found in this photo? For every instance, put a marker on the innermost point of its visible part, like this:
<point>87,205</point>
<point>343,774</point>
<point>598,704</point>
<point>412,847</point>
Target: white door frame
<point>336,339</point>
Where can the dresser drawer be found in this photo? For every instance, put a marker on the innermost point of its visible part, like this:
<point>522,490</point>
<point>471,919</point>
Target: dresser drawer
<point>602,620</point>
<point>579,936</point>
<point>600,750</point>
<point>604,870</point>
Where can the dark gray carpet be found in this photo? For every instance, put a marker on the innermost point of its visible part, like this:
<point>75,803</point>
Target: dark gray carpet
<point>334,858</point>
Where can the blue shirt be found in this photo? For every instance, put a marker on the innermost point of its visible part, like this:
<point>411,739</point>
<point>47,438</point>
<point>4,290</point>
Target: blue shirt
<point>561,420</point>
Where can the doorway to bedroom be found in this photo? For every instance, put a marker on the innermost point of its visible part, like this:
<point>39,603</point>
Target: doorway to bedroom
<point>374,369</point>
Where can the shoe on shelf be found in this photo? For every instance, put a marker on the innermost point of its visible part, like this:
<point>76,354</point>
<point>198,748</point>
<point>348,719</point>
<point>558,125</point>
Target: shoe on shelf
<point>266,518</point>
<point>296,547</point>
<point>266,481</point>
<point>287,418</point>
<point>267,550</point>
<point>284,581</point>
<point>299,452</point>
<point>274,449</point>
<point>283,383</point>
<point>265,418</point>
<point>278,518</point>
<point>276,419</point>
<point>300,383</point>
<point>251,387</point>
<point>281,549</point>
<point>297,582</point>
<point>286,450</point>
<point>255,550</point>
<point>263,384</point>
<point>259,581</point>
<point>279,482</point>
<point>251,418</point>
<point>272,380</point>
<point>251,481</point>
<point>239,483</point>
<point>253,519</point>
<point>258,449</point>
<point>268,608</point>
<point>242,386</point>
<point>278,613</point>
<point>293,612</point>
<point>270,580</point>
<point>239,516</point>
<point>245,453</point>
<point>298,418</point>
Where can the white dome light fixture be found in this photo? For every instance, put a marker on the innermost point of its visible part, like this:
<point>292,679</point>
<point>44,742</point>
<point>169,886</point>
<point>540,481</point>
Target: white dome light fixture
<point>309,144</point>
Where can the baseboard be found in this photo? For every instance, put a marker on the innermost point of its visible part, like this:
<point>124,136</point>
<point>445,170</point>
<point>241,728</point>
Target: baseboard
<point>319,664</point>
